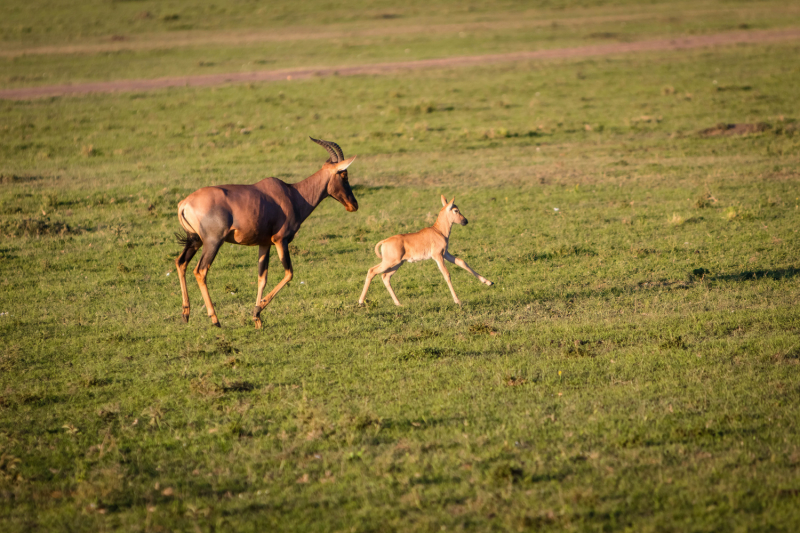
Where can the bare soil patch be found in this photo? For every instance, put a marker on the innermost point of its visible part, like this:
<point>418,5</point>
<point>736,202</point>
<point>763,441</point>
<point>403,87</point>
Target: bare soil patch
<point>681,43</point>
<point>153,41</point>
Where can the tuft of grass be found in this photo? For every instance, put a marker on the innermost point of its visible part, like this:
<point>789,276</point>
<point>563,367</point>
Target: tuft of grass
<point>676,219</point>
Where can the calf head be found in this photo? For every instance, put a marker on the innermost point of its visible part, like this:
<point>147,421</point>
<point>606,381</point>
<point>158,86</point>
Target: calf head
<point>452,213</point>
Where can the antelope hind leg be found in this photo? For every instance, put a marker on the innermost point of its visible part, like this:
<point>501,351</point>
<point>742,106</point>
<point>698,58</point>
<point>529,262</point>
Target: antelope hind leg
<point>386,277</point>
<point>189,249</point>
<point>201,272</point>
<point>371,273</point>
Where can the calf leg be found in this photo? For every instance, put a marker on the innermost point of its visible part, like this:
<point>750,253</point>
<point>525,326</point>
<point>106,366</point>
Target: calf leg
<point>263,267</point>
<point>440,263</point>
<point>200,273</point>
<point>386,277</point>
<point>191,243</point>
<point>371,273</point>
<point>460,262</point>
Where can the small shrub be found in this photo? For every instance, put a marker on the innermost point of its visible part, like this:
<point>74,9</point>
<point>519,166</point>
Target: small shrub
<point>514,381</point>
<point>704,200</point>
<point>698,274</point>
<point>482,329</point>
<point>674,343</point>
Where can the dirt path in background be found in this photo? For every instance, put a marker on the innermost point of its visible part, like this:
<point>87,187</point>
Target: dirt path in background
<point>159,41</point>
<point>680,43</point>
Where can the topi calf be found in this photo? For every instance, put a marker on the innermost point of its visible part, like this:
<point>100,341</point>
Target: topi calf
<point>430,243</point>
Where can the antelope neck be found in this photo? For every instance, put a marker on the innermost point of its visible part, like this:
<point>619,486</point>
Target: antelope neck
<point>442,225</point>
<point>311,191</point>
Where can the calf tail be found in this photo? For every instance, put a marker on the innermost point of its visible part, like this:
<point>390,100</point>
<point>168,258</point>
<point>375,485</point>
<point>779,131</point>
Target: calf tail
<point>378,249</point>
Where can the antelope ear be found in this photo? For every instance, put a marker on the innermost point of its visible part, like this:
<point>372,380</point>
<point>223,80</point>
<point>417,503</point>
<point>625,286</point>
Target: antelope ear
<point>444,201</point>
<point>450,204</point>
<point>344,164</point>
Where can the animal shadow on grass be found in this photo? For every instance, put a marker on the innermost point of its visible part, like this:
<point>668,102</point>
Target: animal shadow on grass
<point>698,274</point>
<point>748,275</point>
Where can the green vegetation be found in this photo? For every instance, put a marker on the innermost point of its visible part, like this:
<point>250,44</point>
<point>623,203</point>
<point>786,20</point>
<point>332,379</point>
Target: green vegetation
<point>635,366</point>
<point>107,40</point>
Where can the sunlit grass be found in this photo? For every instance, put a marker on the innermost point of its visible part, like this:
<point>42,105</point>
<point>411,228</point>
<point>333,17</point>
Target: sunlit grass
<point>626,371</point>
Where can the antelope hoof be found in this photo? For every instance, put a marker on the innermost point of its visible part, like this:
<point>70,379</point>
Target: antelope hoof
<point>215,322</point>
<point>185,314</point>
<point>257,322</point>
<point>185,319</point>
<point>488,283</point>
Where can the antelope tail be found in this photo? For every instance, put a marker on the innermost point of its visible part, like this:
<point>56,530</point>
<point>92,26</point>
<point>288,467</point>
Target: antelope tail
<point>378,248</point>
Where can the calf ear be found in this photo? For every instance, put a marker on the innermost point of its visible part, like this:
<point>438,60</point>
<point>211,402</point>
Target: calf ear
<point>444,201</point>
<point>344,164</point>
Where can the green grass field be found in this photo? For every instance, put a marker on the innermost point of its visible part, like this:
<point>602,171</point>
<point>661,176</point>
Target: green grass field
<point>45,43</point>
<point>635,366</point>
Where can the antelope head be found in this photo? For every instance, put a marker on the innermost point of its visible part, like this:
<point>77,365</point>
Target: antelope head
<point>451,212</point>
<point>338,184</point>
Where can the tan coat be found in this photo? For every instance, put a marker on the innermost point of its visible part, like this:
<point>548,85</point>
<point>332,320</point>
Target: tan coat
<point>429,243</point>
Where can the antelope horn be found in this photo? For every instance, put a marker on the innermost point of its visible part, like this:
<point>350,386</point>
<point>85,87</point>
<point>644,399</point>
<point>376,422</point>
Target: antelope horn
<point>332,148</point>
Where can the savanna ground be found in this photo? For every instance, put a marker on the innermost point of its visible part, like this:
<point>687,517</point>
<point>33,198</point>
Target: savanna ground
<point>634,367</point>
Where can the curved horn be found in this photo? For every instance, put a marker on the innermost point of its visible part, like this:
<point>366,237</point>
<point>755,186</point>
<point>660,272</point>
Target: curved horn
<point>332,148</point>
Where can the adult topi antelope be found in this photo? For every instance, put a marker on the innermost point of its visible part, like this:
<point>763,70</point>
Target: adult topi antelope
<point>430,243</point>
<point>263,214</point>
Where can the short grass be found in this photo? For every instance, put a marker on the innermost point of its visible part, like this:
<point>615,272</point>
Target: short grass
<point>634,367</point>
<point>44,44</point>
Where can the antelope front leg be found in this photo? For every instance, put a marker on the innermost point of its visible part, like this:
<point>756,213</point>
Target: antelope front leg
<point>440,263</point>
<point>463,264</point>
<point>283,254</point>
<point>263,268</point>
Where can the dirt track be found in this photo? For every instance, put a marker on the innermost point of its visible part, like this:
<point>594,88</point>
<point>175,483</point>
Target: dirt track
<point>682,43</point>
